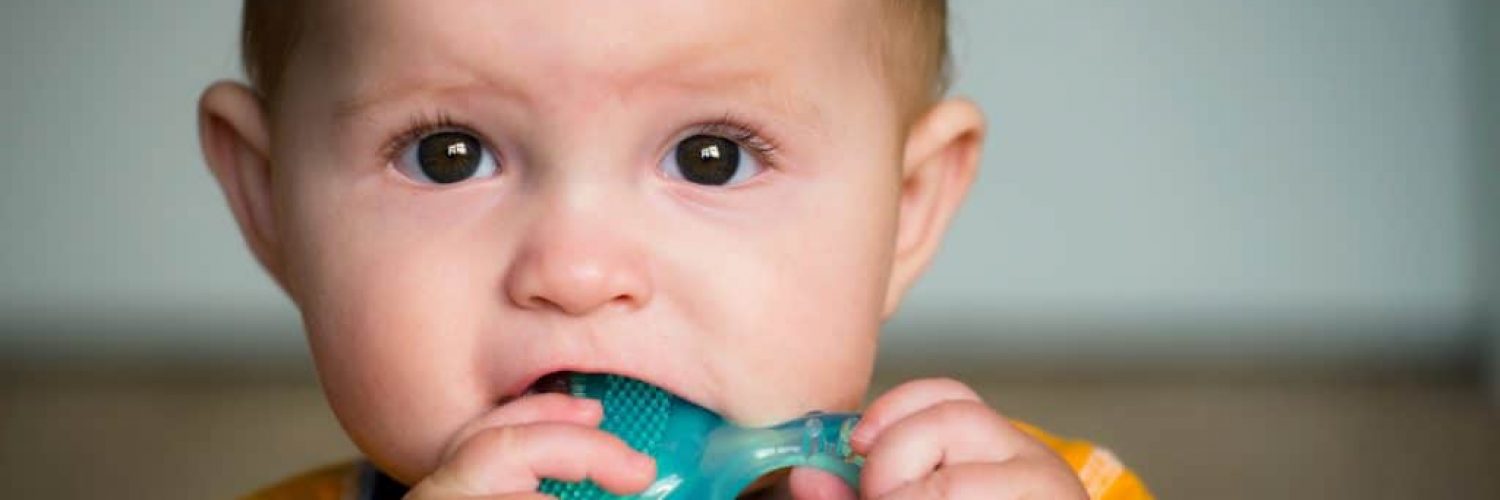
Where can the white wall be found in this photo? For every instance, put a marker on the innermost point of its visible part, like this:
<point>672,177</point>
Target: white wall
<point>1208,177</point>
<point>1204,178</point>
<point>116,239</point>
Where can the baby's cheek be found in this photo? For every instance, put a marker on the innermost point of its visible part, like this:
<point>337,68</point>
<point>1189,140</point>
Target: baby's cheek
<point>803,337</point>
<point>809,353</point>
<point>393,337</point>
<point>398,393</point>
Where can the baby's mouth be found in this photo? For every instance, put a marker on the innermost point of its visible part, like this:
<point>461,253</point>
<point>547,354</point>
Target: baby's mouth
<point>586,384</point>
<point>552,383</point>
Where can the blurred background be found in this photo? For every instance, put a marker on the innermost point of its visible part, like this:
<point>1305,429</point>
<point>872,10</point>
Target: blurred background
<point>1249,246</point>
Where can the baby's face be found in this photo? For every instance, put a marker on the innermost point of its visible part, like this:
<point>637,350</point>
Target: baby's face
<point>472,195</point>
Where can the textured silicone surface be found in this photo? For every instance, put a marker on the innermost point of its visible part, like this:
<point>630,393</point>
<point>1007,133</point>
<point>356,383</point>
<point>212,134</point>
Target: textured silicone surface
<point>699,455</point>
<point>634,411</point>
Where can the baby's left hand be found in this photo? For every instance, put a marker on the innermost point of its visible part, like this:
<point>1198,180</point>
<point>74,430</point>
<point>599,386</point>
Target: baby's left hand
<point>935,438</point>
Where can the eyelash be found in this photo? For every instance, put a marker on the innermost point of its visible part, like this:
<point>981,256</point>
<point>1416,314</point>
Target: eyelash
<point>420,126</point>
<point>743,133</point>
<point>728,126</point>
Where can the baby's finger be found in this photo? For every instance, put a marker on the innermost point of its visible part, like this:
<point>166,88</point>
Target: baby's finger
<point>531,409</point>
<point>991,481</point>
<point>903,401</point>
<point>950,433</point>
<point>812,484</point>
<point>514,459</point>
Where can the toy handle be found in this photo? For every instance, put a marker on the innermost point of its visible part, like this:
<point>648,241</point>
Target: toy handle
<point>738,456</point>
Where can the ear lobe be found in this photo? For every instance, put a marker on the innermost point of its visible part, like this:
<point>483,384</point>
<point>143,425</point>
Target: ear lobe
<point>940,162</point>
<point>235,137</point>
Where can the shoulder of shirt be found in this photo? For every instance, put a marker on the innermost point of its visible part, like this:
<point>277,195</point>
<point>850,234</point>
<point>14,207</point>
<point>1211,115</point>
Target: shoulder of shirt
<point>1102,474</point>
<point>332,482</point>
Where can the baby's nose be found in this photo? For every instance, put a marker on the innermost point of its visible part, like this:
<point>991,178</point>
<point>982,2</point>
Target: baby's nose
<point>577,275</point>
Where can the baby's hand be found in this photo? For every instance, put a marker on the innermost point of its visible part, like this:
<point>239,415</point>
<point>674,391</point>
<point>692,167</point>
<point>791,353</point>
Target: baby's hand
<point>553,436</point>
<point>936,439</point>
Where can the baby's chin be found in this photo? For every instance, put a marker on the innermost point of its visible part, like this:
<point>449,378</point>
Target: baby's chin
<point>776,396</point>
<point>780,404</point>
<point>788,398</point>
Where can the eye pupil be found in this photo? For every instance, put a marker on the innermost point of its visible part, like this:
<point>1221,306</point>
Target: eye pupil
<point>708,160</point>
<point>449,157</point>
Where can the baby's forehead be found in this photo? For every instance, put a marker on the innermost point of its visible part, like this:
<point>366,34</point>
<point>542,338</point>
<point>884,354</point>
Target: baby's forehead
<point>768,50</point>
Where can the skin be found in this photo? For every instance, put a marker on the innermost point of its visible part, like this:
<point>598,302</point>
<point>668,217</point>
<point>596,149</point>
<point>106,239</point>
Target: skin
<point>429,308</point>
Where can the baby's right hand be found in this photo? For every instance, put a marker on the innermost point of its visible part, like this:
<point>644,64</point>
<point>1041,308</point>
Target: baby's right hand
<point>506,454</point>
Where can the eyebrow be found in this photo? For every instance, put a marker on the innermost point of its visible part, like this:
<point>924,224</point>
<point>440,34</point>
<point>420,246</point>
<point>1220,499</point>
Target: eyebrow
<point>756,85</point>
<point>759,87</point>
<point>376,95</point>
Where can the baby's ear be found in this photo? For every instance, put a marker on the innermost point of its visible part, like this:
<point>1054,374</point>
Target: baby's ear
<point>234,134</point>
<point>940,161</point>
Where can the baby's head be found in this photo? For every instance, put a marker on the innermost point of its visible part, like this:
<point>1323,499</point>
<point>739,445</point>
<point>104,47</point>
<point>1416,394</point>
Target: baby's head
<point>724,198</point>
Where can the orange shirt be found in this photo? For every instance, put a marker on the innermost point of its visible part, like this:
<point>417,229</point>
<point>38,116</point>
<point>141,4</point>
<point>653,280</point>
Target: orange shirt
<point>1102,475</point>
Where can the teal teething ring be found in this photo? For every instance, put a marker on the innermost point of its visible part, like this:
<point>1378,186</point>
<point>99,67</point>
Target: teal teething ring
<point>698,454</point>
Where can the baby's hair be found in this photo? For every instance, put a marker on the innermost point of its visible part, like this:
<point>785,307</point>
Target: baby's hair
<point>910,41</point>
<point>268,34</point>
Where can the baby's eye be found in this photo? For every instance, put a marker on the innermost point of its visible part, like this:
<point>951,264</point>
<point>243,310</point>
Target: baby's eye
<point>446,158</point>
<point>710,161</point>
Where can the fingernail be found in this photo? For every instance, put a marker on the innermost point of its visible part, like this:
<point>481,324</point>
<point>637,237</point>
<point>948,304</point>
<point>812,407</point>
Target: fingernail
<point>588,408</point>
<point>644,463</point>
<point>859,438</point>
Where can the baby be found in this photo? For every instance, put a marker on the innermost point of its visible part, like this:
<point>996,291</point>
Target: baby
<point>724,198</point>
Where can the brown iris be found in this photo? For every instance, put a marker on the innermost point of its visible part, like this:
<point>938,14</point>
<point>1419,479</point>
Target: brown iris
<point>708,160</point>
<point>449,157</point>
